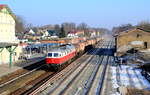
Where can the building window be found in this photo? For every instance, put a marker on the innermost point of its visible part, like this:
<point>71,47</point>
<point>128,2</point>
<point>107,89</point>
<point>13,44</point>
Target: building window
<point>145,45</point>
<point>138,35</point>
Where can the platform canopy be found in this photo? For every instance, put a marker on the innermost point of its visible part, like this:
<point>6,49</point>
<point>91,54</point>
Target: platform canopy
<point>7,44</point>
<point>10,47</point>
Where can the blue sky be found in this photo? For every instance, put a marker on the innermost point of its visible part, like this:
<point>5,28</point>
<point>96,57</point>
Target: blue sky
<point>96,13</point>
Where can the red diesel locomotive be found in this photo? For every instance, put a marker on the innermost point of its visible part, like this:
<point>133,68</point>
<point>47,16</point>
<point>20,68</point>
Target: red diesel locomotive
<point>58,56</point>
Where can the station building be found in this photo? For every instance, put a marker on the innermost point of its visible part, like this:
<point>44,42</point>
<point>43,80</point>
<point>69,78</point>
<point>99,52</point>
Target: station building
<point>135,38</point>
<point>9,50</point>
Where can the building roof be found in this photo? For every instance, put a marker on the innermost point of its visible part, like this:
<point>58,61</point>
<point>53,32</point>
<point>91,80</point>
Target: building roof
<point>31,31</point>
<point>131,30</point>
<point>2,6</point>
<point>143,29</point>
<point>72,32</point>
<point>52,32</point>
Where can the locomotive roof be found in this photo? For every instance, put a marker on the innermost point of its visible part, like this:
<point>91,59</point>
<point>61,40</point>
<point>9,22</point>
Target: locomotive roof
<point>41,45</point>
<point>61,48</point>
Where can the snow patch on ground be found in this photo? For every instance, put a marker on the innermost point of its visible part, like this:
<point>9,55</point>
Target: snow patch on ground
<point>117,93</point>
<point>128,77</point>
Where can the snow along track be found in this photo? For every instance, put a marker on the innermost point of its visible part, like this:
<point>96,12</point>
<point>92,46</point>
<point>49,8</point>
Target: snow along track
<point>129,77</point>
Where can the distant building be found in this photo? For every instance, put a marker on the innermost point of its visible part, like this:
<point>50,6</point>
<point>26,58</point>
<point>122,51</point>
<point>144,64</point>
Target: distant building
<point>93,33</point>
<point>52,33</point>
<point>72,34</point>
<point>80,33</point>
<point>23,40</point>
<point>133,38</point>
<point>49,34</point>
<point>31,32</point>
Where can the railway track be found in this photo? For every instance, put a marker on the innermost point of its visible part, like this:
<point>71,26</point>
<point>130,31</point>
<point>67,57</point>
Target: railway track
<point>12,81</point>
<point>71,84</point>
<point>32,82</point>
<point>14,84</point>
<point>64,73</point>
<point>97,86</point>
<point>78,75</point>
<point>106,87</point>
<point>20,75</point>
<point>21,72</point>
<point>26,82</point>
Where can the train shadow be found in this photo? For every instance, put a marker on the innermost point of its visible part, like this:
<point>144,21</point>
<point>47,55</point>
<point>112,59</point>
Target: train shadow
<point>103,52</point>
<point>38,66</point>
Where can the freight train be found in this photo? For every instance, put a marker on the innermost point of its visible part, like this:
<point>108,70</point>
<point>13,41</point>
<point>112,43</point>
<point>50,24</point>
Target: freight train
<point>64,54</point>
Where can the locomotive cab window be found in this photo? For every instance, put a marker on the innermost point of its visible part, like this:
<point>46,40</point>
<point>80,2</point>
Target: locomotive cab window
<point>55,54</point>
<point>69,50</point>
<point>64,54</point>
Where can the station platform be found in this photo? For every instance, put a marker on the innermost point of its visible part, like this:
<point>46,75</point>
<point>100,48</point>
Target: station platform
<point>5,69</point>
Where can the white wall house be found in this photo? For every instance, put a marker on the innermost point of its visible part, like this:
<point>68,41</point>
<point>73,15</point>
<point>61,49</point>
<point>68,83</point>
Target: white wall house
<point>7,34</point>
<point>45,34</point>
<point>72,35</point>
<point>7,25</point>
<point>31,32</point>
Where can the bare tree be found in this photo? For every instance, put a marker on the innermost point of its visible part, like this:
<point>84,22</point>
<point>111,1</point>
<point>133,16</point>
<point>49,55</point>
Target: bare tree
<point>144,22</point>
<point>144,25</point>
<point>57,27</point>
<point>64,31</point>
<point>67,27</point>
<point>20,26</point>
<point>82,26</point>
<point>85,28</point>
<point>29,26</point>
<point>122,28</point>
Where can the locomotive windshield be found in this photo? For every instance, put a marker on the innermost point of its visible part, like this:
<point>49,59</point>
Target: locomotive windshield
<point>55,54</point>
<point>49,54</point>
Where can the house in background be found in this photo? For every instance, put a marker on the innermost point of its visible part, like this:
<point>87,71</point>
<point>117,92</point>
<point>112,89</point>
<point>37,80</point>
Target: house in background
<point>80,33</point>
<point>31,32</point>
<point>92,33</point>
<point>72,34</point>
<point>49,34</point>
